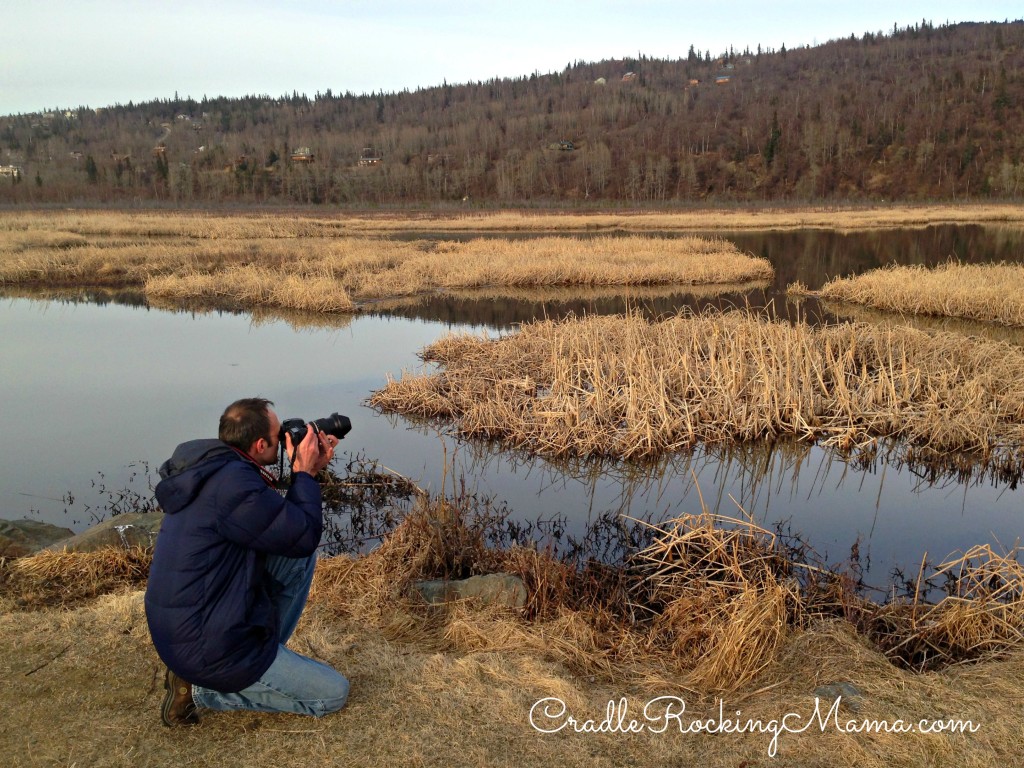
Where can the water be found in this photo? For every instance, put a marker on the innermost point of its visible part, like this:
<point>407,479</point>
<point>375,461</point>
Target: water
<point>96,395</point>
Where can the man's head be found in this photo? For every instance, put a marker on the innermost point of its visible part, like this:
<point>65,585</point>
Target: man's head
<point>250,425</point>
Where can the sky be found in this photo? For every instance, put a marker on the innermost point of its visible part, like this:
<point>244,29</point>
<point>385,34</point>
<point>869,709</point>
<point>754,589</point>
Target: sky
<point>97,53</point>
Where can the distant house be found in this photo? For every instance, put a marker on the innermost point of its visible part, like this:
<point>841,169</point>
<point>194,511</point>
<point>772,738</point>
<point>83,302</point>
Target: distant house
<point>566,146</point>
<point>629,77</point>
<point>302,155</point>
<point>12,171</point>
<point>723,79</point>
<point>370,156</point>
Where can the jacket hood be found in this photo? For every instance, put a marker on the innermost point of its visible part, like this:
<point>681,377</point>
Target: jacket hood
<point>188,469</point>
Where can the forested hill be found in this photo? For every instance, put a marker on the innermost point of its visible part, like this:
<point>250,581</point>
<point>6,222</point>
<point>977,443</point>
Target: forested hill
<point>922,113</point>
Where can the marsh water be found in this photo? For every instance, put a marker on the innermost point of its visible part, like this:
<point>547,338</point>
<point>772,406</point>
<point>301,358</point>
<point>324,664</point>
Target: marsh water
<point>97,390</point>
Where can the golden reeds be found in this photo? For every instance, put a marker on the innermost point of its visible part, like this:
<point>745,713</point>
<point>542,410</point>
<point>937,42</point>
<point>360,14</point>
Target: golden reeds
<point>60,577</point>
<point>982,614</point>
<point>630,388</point>
<point>321,268</point>
<point>724,595</point>
<point>290,225</point>
<point>706,606</point>
<point>986,292</point>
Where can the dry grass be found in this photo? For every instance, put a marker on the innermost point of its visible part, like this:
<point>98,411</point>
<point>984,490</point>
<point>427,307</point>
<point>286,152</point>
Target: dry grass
<point>70,227</point>
<point>710,605</point>
<point>986,292</point>
<point>313,269</point>
<point>982,614</point>
<point>82,688</point>
<point>59,578</point>
<point>702,220</point>
<point>630,388</point>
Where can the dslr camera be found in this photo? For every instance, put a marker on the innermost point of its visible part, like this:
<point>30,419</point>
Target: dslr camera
<point>335,424</point>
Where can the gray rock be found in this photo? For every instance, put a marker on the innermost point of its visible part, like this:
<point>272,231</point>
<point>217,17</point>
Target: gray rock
<point>490,589</point>
<point>132,529</point>
<point>850,694</point>
<point>24,537</point>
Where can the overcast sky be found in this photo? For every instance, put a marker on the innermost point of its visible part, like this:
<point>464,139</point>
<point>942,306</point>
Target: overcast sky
<point>102,52</point>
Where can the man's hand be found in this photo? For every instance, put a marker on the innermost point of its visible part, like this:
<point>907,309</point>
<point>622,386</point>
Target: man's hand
<point>315,451</point>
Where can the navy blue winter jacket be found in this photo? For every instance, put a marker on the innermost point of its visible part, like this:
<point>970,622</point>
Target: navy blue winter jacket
<point>207,604</point>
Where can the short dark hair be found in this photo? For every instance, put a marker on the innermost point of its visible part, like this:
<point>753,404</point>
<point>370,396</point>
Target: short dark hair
<point>245,421</point>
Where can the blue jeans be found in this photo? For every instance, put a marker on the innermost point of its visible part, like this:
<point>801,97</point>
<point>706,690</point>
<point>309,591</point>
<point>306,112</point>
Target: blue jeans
<point>294,683</point>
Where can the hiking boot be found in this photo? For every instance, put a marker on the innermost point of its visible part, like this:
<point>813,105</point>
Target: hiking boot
<point>178,707</point>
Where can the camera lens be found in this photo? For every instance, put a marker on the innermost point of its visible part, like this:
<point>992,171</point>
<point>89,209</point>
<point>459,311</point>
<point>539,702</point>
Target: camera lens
<point>335,424</point>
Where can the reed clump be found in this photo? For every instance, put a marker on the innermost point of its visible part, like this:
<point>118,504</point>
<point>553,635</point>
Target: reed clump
<point>61,577</point>
<point>204,225</point>
<point>705,603</point>
<point>635,389</point>
<point>317,267</point>
<point>982,613</point>
<point>991,293</point>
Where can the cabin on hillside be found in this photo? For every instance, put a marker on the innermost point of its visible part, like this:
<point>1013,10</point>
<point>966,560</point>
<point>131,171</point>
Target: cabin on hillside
<point>302,155</point>
<point>370,156</point>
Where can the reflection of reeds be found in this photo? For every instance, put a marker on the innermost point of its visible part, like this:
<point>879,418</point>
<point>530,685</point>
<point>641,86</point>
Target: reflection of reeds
<point>633,389</point>
<point>633,294</point>
<point>298,319</point>
<point>963,326</point>
<point>986,292</point>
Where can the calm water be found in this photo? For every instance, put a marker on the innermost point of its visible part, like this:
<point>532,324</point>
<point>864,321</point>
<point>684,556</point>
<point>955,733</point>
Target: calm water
<point>92,392</point>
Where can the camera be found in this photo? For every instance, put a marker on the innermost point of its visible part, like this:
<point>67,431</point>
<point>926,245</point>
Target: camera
<point>335,424</point>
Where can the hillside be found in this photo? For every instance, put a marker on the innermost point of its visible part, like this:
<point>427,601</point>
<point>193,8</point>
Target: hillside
<point>922,113</point>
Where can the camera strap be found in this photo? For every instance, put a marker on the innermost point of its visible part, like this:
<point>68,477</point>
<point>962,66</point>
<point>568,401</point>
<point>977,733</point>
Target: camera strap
<point>268,478</point>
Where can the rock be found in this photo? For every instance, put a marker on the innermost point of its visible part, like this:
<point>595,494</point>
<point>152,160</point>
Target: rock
<point>850,694</point>
<point>132,529</point>
<point>24,537</point>
<point>490,589</point>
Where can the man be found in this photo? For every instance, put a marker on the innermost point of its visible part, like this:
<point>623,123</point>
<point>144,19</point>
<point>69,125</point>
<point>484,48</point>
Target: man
<point>232,568</point>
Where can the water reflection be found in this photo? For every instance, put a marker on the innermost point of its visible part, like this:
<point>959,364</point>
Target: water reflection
<point>891,505</point>
<point>503,309</point>
<point>960,325</point>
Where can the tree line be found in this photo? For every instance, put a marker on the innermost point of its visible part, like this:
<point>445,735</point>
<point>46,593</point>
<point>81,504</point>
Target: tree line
<point>918,113</point>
